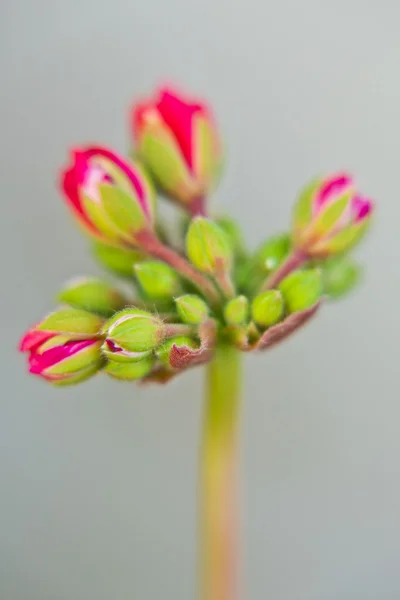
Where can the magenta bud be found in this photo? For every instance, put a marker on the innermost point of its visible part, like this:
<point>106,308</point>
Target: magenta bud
<point>330,217</point>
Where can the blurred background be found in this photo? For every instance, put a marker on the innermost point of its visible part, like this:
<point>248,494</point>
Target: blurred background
<point>98,483</point>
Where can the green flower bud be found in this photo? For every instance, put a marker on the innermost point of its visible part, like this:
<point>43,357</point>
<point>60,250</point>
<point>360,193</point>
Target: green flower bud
<point>208,247</point>
<point>130,371</point>
<point>301,289</point>
<point>236,312</point>
<point>78,324</point>
<point>271,253</point>
<point>191,309</point>
<point>267,308</point>
<point>164,350</point>
<point>158,280</point>
<point>234,234</point>
<point>93,295</point>
<point>134,331</point>
<point>340,276</point>
<point>117,260</point>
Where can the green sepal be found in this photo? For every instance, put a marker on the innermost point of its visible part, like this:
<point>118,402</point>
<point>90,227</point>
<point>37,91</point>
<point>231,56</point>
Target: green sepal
<point>130,371</point>
<point>206,151</point>
<point>303,208</point>
<point>346,239</point>
<point>93,295</point>
<point>101,221</point>
<point>74,322</point>
<point>161,154</point>
<point>124,211</point>
<point>324,223</point>
<point>80,377</point>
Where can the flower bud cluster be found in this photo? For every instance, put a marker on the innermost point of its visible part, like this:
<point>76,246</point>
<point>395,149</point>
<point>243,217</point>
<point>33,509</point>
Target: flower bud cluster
<point>184,294</point>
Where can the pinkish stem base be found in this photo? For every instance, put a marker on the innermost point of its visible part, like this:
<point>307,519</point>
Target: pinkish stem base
<point>152,245</point>
<point>295,260</point>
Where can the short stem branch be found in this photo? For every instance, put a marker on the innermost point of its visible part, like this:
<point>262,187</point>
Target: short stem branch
<point>295,260</point>
<point>172,329</point>
<point>218,500</point>
<point>225,283</point>
<point>152,245</point>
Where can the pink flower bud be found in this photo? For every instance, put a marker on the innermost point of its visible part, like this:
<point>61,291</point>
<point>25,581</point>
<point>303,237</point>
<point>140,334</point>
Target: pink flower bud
<point>60,360</point>
<point>178,141</point>
<point>330,216</point>
<point>110,196</point>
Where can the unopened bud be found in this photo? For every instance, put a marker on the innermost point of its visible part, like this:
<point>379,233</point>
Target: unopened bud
<point>301,289</point>
<point>330,216</point>
<point>208,247</point>
<point>93,295</point>
<point>234,234</point>
<point>158,280</point>
<point>62,361</point>
<point>271,253</point>
<point>191,309</point>
<point>340,276</point>
<point>267,308</point>
<point>236,312</point>
<point>130,371</point>
<point>117,260</point>
<point>133,331</point>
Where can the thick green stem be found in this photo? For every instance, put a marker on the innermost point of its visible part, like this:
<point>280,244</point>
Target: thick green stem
<point>218,479</point>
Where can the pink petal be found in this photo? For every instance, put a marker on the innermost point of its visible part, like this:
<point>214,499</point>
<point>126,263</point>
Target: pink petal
<point>361,208</point>
<point>33,339</point>
<point>332,188</point>
<point>178,115</point>
<point>139,114</point>
<point>40,362</point>
<point>70,180</point>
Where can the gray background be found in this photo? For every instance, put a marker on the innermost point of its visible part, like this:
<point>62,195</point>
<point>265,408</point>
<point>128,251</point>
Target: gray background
<point>98,483</point>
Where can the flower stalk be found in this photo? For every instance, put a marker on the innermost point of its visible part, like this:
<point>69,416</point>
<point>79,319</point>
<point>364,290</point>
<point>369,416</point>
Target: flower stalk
<point>218,519</point>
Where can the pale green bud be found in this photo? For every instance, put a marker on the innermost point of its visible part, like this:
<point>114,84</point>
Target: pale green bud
<point>271,253</point>
<point>302,289</point>
<point>236,312</point>
<point>158,280</point>
<point>267,308</point>
<point>130,371</point>
<point>340,276</point>
<point>191,309</point>
<point>207,246</point>
<point>117,260</point>
<point>234,234</point>
<point>133,331</point>
<point>93,295</point>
